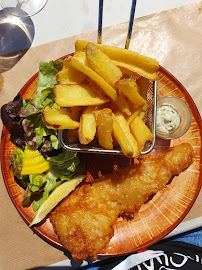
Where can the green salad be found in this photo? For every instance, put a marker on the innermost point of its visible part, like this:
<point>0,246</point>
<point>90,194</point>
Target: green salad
<point>23,119</point>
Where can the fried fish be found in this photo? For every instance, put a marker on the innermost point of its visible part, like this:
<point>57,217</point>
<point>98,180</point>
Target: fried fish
<point>84,220</point>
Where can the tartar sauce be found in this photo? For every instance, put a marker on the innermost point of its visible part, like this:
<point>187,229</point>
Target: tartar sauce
<point>168,119</point>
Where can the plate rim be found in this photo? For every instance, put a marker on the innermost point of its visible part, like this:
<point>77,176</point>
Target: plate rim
<point>57,244</point>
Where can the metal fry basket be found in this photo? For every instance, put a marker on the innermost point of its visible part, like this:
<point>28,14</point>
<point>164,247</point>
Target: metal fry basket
<point>150,116</point>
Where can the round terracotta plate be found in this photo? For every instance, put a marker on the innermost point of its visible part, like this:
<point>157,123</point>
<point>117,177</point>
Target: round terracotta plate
<point>156,218</point>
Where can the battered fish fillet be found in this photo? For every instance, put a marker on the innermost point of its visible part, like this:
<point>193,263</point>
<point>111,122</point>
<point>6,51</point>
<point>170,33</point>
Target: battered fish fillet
<point>84,220</point>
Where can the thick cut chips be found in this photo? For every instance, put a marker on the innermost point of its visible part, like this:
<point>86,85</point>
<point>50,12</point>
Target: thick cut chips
<point>70,76</point>
<point>123,104</point>
<point>140,64</point>
<point>124,137</point>
<point>104,128</point>
<point>58,118</point>
<point>131,90</point>
<point>141,132</point>
<point>81,57</point>
<point>77,95</point>
<point>87,126</point>
<point>102,64</point>
<point>108,89</point>
<point>143,84</point>
<point>133,115</point>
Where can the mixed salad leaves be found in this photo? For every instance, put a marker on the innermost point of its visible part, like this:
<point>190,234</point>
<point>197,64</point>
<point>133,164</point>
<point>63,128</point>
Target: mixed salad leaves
<point>23,119</point>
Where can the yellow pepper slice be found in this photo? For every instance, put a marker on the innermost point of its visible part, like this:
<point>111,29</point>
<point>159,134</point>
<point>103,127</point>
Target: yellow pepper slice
<point>34,162</point>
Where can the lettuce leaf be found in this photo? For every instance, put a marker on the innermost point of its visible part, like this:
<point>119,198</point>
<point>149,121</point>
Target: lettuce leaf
<point>35,131</point>
<point>41,131</point>
<point>46,76</point>
<point>63,167</point>
<point>39,185</point>
<point>64,164</point>
<point>16,159</point>
<point>45,97</point>
<point>23,119</point>
<point>46,81</point>
<point>55,142</point>
<point>50,184</point>
<point>12,121</point>
<point>29,107</point>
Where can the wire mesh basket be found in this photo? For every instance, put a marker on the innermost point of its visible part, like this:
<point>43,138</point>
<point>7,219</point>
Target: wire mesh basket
<point>150,116</point>
<point>150,121</point>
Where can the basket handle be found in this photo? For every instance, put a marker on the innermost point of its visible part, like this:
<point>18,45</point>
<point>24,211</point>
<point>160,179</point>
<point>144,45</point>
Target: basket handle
<point>130,26</point>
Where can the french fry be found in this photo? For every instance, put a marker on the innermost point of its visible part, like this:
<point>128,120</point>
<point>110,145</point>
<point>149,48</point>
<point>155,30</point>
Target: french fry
<point>136,111</point>
<point>144,107</point>
<point>108,89</point>
<point>102,64</point>
<point>124,137</point>
<point>80,45</point>
<point>141,114</point>
<point>132,69</point>
<point>98,109</point>
<point>62,77</point>
<point>132,106</point>
<point>128,73</point>
<point>140,64</point>
<point>66,62</point>
<point>70,76</point>
<point>81,57</point>
<point>131,90</point>
<point>106,96</point>
<point>141,132</point>
<point>75,112</point>
<point>143,84</point>
<point>77,95</point>
<point>133,115</point>
<point>97,88</point>
<point>122,104</point>
<point>87,126</point>
<point>104,128</point>
<point>58,118</point>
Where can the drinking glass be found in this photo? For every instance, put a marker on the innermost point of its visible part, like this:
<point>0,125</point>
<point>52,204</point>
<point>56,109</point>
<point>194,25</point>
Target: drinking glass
<point>22,8</point>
